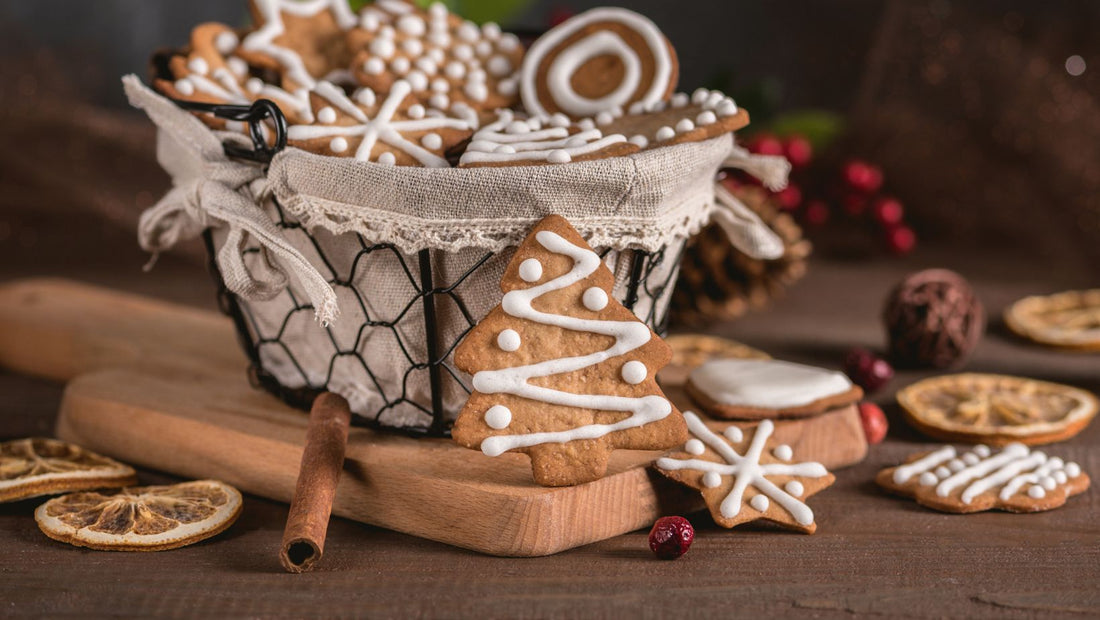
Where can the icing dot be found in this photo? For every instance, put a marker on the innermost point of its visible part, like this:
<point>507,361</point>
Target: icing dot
<point>491,31</point>
<point>679,100</point>
<point>685,125</point>
<point>418,81</point>
<point>639,140</point>
<point>499,66</point>
<point>981,450</point>
<point>369,21</point>
<point>439,101</point>
<point>783,452</point>
<point>726,108</point>
<point>558,156</point>
<point>366,97</point>
<point>508,340</point>
<point>455,70</point>
<point>338,145</point>
<point>970,458</point>
<point>604,118</point>
<point>956,465</point>
<point>638,107</point>
<point>586,124</point>
<point>413,47</point>
<point>1073,469</point>
<point>432,141</point>
<point>942,472</point>
<point>484,48</point>
<point>225,42</point>
<point>440,85</point>
<point>374,66</point>
<point>534,123</point>
<point>401,65</point>
<point>760,502</point>
<point>1060,477</point>
<point>498,417</point>
<point>516,127</point>
<point>706,118</point>
<point>327,115</point>
<point>504,148</point>
<point>507,87</point>
<point>476,91</point>
<point>508,42</point>
<point>700,96</point>
<point>416,111</point>
<point>594,298</point>
<point>559,120</point>
<point>427,65</point>
<point>198,65</point>
<point>254,85</point>
<point>185,87</point>
<point>437,56</point>
<point>665,133</point>
<point>711,479</point>
<point>634,372</point>
<point>477,75</point>
<point>237,66</point>
<point>1048,483</point>
<point>468,32</point>
<point>439,39</point>
<point>928,479</point>
<point>382,47</point>
<point>530,270</point>
<point>1036,492</point>
<point>463,52</point>
<point>715,98</point>
<point>734,434</point>
<point>387,159</point>
<point>794,487</point>
<point>694,446</point>
<point>411,24</point>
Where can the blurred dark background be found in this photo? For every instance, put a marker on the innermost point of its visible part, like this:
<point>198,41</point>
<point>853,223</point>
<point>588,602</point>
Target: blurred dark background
<point>984,116</point>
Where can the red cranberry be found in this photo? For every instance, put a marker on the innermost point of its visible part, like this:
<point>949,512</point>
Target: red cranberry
<point>888,211</point>
<point>867,370</point>
<point>789,198</point>
<point>874,422</point>
<point>901,240</point>
<point>816,213</point>
<point>559,14</point>
<point>671,537</point>
<point>799,152</point>
<point>854,204</point>
<point>765,144</point>
<point>862,176</point>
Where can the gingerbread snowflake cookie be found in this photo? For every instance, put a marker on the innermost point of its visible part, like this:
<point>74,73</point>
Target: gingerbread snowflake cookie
<point>751,389</point>
<point>744,479</point>
<point>997,409</point>
<point>514,141</point>
<point>446,59</point>
<point>1015,479</point>
<point>1070,319</point>
<point>598,61</point>
<point>561,371</point>
<point>380,129</point>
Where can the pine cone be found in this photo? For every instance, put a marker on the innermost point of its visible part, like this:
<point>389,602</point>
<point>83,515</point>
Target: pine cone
<point>720,283</point>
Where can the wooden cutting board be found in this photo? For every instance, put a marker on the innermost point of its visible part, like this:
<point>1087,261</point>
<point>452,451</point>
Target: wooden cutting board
<point>163,386</point>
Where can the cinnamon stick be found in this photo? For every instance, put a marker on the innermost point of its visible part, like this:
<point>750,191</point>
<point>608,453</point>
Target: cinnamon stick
<point>322,461</point>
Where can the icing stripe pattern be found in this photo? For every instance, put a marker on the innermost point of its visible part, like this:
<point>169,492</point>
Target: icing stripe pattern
<point>628,335</point>
<point>1014,470</point>
<point>747,470</point>
<point>512,140</point>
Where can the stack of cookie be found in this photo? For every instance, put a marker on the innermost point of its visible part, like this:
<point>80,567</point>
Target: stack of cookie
<point>402,85</point>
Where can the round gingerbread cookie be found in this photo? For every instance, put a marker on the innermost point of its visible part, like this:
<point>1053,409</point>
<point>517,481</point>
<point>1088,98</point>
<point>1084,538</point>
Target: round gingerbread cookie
<point>753,389</point>
<point>598,61</point>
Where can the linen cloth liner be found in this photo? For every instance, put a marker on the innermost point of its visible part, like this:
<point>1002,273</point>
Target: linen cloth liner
<point>647,201</point>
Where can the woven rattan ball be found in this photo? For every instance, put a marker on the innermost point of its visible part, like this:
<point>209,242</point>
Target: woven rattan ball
<point>933,319</point>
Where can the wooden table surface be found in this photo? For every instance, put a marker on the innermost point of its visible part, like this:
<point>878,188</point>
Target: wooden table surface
<point>873,553</point>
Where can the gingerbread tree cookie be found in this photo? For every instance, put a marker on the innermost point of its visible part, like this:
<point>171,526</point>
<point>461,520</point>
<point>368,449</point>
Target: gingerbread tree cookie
<point>563,372</point>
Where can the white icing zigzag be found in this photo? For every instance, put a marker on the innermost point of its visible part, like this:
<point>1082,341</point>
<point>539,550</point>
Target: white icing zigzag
<point>981,471</point>
<point>629,335</point>
<point>515,140</point>
<point>747,470</point>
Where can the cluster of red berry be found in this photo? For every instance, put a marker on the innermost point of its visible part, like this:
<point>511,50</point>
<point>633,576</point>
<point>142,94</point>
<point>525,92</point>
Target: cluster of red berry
<point>814,195</point>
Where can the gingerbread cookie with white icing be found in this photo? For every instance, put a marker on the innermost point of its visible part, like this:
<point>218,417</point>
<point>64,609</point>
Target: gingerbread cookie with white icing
<point>704,115</point>
<point>381,129</point>
<point>1016,479</point>
<point>744,475</point>
<point>515,141</point>
<point>597,61</point>
<point>563,372</point>
<point>445,58</point>
<point>753,389</point>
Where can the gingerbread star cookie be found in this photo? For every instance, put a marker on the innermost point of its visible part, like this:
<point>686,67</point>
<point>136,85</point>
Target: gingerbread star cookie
<point>745,479</point>
<point>379,129</point>
<point>701,116</point>
<point>997,409</point>
<point>1070,319</point>
<point>446,59</point>
<point>1016,479</point>
<point>751,389</point>
<point>600,60</point>
<point>513,141</point>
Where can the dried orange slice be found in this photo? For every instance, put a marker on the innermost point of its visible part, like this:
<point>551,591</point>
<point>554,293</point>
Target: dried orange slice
<point>37,466</point>
<point>1070,319</point>
<point>151,518</point>
<point>997,409</point>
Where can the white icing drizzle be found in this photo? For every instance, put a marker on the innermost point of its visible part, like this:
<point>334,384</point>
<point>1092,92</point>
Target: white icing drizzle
<point>769,384</point>
<point>560,71</point>
<point>1009,470</point>
<point>382,128</point>
<point>747,470</point>
<point>529,140</point>
<point>628,335</point>
<point>263,39</point>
